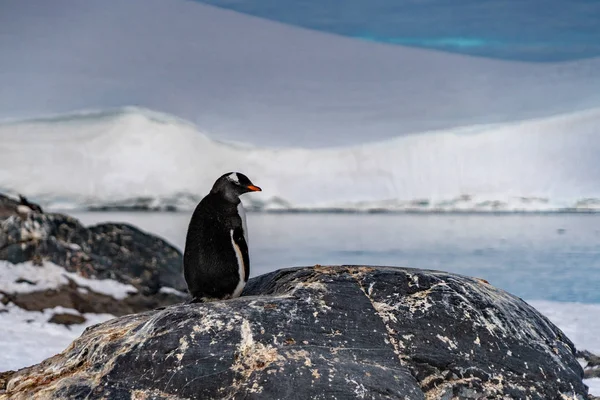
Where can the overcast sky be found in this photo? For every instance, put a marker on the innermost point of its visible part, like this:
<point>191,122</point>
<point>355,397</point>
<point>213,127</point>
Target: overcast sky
<point>243,78</point>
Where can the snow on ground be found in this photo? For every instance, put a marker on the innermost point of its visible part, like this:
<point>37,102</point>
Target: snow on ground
<point>27,277</point>
<point>27,338</point>
<point>536,165</point>
<point>594,385</point>
<point>170,290</point>
<point>580,322</point>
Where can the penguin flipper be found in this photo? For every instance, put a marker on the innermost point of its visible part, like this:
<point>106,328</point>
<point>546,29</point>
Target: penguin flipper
<point>240,240</point>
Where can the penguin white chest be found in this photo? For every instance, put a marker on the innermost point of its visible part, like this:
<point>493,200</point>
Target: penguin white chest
<point>241,267</point>
<point>238,252</point>
<point>242,214</point>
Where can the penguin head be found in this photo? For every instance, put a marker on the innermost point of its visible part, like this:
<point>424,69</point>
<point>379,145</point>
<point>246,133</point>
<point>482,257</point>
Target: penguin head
<point>233,184</point>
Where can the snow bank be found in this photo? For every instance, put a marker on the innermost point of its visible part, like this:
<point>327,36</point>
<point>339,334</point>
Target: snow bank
<point>27,277</point>
<point>27,337</point>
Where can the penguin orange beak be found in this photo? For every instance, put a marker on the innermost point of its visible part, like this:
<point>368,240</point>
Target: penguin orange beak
<point>254,188</point>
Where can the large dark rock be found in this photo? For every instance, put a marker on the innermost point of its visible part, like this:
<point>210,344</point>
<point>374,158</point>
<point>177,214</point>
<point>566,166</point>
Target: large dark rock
<point>322,332</point>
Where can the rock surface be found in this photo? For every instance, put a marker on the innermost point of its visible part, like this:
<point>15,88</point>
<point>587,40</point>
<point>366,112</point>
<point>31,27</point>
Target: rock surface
<point>66,319</point>
<point>20,207</point>
<point>114,251</point>
<point>591,362</point>
<point>320,333</point>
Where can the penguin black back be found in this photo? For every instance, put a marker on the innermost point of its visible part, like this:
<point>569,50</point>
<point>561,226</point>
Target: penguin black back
<point>215,262</point>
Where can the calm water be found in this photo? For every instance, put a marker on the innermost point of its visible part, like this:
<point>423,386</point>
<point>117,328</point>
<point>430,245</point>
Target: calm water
<point>550,257</point>
<point>532,30</point>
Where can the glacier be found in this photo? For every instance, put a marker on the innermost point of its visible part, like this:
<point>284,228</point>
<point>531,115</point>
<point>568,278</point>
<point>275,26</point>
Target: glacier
<point>335,124</point>
<point>257,81</point>
<point>130,156</point>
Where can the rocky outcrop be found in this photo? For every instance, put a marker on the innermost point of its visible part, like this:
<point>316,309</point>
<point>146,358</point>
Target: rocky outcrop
<point>20,207</point>
<point>114,251</point>
<point>322,332</point>
<point>105,251</point>
<point>66,319</point>
<point>591,362</point>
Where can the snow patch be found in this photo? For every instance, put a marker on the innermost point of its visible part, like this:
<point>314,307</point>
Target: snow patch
<point>580,322</point>
<point>27,337</point>
<point>27,277</point>
<point>594,386</point>
<point>170,290</point>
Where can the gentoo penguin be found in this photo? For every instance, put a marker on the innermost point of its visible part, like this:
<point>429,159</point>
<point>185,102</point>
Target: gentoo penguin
<point>215,262</point>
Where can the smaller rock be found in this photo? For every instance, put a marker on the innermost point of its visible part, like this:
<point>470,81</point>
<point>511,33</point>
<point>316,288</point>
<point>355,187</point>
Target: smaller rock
<point>592,364</point>
<point>21,207</point>
<point>591,373</point>
<point>4,378</point>
<point>66,319</point>
<point>27,281</point>
<point>32,206</point>
<point>591,359</point>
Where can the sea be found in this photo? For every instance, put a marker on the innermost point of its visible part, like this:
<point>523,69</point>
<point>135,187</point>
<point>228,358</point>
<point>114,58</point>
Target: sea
<point>553,257</point>
<point>461,136</point>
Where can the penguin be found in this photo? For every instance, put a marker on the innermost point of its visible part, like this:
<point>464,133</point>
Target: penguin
<point>216,264</point>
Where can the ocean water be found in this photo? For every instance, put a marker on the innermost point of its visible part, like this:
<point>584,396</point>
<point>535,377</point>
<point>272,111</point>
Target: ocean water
<point>554,257</point>
<point>541,31</point>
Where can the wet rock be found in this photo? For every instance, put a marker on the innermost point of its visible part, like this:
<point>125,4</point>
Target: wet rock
<point>4,377</point>
<point>66,319</point>
<point>591,362</point>
<point>323,332</point>
<point>27,281</point>
<point>105,251</point>
<point>17,207</point>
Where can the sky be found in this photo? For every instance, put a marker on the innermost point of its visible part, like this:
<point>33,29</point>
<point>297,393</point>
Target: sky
<point>247,79</point>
